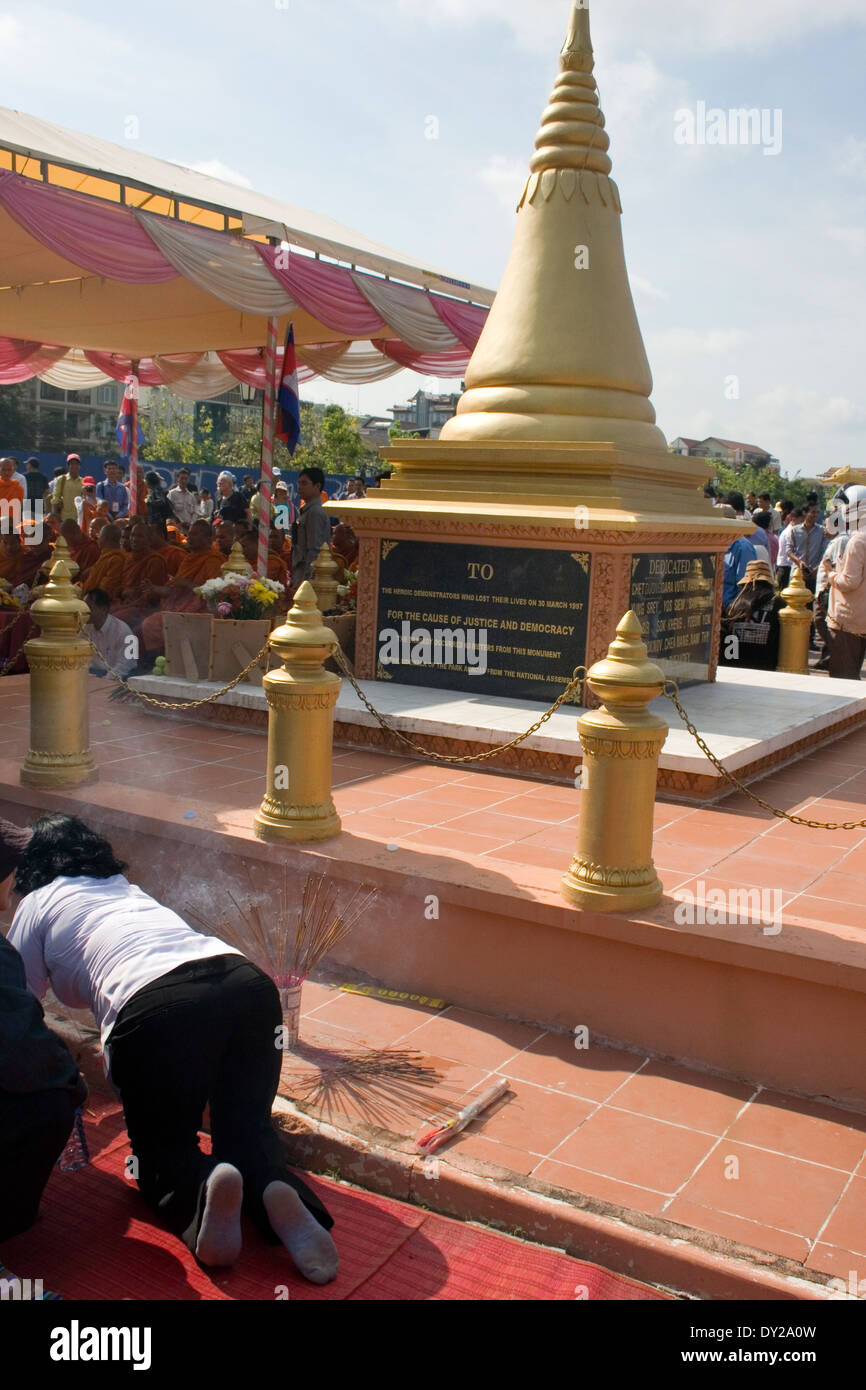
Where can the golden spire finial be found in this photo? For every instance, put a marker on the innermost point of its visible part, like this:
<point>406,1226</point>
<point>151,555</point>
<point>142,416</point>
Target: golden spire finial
<point>576,55</point>
<point>561,355</point>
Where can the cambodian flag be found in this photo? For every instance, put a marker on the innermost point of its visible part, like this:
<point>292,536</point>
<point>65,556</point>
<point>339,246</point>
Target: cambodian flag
<point>289,421</point>
<point>124,419</point>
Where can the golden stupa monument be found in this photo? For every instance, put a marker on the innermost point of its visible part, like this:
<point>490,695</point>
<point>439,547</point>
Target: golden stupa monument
<point>550,505</point>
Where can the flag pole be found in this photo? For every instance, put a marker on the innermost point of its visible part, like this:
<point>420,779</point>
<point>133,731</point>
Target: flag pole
<point>133,441</point>
<point>266,488</point>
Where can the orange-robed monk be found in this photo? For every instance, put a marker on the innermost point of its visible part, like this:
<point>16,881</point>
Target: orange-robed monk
<point>199,564</point>
<point>83,550</point>
<point>173,555</point>
<point>276,567</point>
<point>107,573</point>
<point>143,569</point>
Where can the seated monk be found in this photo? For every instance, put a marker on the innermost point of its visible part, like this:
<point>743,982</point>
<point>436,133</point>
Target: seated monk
<point>33,558</point>
<point>172,555</point>
<point>101,519</point>
<point>224,536</point>
<point>83,550</point>
<point>276,567</point>
<point>200,563</point>
<point>10,558</point>
<point>143,569</point>
<point>107,573</point>
<point>345,547</point>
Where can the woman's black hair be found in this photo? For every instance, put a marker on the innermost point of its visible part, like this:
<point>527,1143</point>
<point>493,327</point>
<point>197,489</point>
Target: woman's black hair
<point>751,597</point>
<point>64,847</point>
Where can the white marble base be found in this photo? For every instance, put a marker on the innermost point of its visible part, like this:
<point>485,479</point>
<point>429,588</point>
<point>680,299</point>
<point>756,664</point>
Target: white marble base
<point>744,716</point>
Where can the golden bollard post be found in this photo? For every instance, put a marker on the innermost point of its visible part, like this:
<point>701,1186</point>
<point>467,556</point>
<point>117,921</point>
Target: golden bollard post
<point>795,626</point>
<point>59,660</point>
<point>613,870</point>
<point>325,579</point>
<point>301,697</point>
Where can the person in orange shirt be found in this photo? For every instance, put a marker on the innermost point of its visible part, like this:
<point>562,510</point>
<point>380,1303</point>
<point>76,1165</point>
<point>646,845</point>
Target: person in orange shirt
<point>200,563</point>
<point>224,538</point>
<point>83,550</point>
<point>107,573</point>
<point>10,490</point>
<point>276,567</point>
<point>143,569</point>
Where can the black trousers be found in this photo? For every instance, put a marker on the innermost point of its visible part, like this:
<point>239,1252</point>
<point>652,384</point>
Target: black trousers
<point>34,1128</point>
<point>205,1033</point>
<point>847,652</point>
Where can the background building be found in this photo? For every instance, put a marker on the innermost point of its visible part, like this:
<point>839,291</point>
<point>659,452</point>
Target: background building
<point>425,414</point>
<point>730,451</point>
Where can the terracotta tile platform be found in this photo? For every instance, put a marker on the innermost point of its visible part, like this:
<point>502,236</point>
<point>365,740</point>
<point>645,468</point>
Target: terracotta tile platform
<point>705,1183</point>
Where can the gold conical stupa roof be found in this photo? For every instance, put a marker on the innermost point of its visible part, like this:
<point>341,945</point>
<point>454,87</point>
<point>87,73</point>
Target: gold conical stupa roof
<point>561,356</point>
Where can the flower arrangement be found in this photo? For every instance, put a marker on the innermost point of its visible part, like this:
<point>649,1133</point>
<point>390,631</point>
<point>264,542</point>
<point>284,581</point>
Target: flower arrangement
<point>347,591</point>
<point>235,596</point>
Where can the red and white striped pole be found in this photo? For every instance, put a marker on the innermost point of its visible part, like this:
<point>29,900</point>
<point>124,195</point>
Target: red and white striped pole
<point>266,482</point>
<point>133,441</point>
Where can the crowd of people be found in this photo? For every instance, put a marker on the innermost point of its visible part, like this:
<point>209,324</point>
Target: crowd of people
<point>830,552</point>
<point>137,563</point>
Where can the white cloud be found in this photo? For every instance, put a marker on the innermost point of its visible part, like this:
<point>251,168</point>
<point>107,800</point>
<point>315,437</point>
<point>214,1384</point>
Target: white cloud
<point>686,342</point>
<point>809,413</point>
<point>505,179</point>
<point>215,169</point>
<point>853,238</point>
<point>645,289</point>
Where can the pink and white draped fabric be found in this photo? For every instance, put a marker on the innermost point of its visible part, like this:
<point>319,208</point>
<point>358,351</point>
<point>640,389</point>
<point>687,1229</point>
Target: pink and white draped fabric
<point>464,320</point>
<point>20,360</point>
<point>221,265</point>
<point>328,292</point>
<point>409,312</point>
<point>451,362</point>
<point>434,333</point>
<point>117,367</point>
<point>87,231</point>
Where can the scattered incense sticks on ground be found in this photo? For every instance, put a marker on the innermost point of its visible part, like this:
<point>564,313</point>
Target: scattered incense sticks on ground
<point>289,948</point>
<point>382,1085</point>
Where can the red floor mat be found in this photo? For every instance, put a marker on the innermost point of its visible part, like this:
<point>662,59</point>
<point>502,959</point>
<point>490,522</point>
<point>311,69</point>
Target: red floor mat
<point>95,1240</point>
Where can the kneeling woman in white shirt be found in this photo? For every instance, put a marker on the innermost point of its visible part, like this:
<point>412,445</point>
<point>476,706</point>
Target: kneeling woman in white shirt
<point>186,1021</point>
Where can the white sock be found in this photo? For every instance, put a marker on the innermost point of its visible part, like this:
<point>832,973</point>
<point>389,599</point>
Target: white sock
<point>309,1244</point>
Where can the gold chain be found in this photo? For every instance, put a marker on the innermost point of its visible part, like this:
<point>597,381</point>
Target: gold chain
<point>574,684</point>
<point>180,704</point>
<point>671,690</point>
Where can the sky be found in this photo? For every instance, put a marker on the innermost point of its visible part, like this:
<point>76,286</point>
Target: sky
<point>747,268</point>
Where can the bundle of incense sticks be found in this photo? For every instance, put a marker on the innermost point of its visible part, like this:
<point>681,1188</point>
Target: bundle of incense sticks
<point>287,947</point>
<point>433,1139</point>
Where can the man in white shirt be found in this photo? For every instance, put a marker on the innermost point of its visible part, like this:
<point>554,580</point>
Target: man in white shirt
<point>184,502</point>
<point>784,560</point>
<point>116,643</point>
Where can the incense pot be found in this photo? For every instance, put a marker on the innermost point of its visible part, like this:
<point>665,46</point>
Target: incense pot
<point>290,1003</point>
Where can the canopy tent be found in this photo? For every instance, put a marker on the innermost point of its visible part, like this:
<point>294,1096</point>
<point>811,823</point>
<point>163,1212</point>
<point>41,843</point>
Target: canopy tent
<point>110,257</point>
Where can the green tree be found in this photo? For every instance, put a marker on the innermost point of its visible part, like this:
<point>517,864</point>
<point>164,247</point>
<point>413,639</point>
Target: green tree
<point>17,418</point>
<point>745,478</point>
